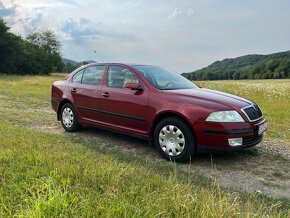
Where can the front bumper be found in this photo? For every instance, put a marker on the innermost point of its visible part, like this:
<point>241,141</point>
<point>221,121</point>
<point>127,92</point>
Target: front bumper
<point>214,136</point>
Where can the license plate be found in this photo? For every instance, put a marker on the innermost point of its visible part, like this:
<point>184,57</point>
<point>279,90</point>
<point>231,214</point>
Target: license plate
<point>262,128</point>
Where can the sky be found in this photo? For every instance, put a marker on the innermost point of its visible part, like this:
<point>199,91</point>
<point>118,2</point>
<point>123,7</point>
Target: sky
<point>183,35</point>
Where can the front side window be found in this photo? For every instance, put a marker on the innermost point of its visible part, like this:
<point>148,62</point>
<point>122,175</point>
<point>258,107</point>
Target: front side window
<point>77,78</point>
<point>93,75</point>
<point>163,79</point>
<point>118,76</point>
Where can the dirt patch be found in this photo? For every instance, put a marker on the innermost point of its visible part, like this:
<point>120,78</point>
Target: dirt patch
<point>259,169</point>
<point>3,96</point>
<point>275,147</point>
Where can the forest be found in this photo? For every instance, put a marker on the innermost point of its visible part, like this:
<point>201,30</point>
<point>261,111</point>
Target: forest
<point>273,66</point>
<point>37,53</point>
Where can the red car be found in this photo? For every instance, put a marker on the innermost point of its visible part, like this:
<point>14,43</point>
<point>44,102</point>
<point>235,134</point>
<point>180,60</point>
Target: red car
<point>146,101</point>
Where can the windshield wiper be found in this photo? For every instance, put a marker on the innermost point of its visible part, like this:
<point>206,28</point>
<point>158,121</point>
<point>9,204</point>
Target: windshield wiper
<point>168,89</point>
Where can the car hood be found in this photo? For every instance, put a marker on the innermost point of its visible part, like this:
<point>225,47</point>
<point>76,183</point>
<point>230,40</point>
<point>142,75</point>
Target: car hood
<point>218,97</point>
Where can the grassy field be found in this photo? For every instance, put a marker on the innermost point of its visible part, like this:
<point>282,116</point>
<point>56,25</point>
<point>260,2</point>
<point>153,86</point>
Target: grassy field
<point>52,175</point>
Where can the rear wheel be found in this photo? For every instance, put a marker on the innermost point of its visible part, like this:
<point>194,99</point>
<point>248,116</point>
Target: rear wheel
<point>68,118</point>
<point>174,139</point>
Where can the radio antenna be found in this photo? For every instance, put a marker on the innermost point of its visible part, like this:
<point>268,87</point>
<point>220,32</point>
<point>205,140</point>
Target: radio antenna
<point>98,57</point>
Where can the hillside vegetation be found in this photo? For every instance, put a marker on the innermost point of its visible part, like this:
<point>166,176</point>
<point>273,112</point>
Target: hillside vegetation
<point>273,66</point>
<point>71,65</point>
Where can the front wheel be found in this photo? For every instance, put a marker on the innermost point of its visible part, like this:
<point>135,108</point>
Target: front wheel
<point>68,118</point>
<point>174,139</point>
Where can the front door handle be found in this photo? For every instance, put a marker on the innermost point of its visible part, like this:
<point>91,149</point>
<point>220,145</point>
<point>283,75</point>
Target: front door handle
<point>74,90</point>
<point>105,94</point>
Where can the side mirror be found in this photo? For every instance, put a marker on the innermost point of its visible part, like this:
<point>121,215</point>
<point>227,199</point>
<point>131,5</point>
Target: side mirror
<point>133,86</point>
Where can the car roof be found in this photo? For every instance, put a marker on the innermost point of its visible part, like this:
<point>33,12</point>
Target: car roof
<point>128,64</point>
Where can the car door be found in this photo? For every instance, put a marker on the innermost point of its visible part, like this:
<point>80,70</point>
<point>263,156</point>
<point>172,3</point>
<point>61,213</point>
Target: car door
<point>86,93</point>
<point>123,108</point>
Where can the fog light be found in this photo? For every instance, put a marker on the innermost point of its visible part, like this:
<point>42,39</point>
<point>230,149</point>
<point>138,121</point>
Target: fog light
<point>235,141</point>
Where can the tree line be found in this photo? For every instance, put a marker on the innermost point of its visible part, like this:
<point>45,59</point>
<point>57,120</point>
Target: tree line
<point>70,66</point>
<point>274,66</point>
<point>38,53</point>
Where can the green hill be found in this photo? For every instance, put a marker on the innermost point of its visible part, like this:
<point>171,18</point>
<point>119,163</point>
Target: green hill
<point>68,61</point>
<point>270,66</point>
<point>71,65</point>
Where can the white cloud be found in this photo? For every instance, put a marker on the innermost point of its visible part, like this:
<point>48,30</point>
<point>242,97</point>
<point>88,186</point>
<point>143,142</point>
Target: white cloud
<point>156,32</point>
<point>189,12</point>
<point>181,12</point>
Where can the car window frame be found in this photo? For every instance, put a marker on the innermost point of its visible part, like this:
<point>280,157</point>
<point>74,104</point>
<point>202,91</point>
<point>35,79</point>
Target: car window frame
<point>104,71</point>
<point>132,72</point>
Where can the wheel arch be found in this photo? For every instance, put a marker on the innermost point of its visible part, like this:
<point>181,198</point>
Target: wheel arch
<point>64,101</point>
<point>164,115</point>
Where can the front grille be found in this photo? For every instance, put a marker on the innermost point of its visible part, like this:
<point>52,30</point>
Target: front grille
<point>253,112</point>
<point>252,140</point>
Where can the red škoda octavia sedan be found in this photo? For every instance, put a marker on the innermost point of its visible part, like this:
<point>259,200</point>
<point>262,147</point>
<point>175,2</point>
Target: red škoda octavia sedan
<point>146,101</point>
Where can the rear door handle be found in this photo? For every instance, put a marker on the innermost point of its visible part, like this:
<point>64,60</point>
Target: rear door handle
<point>74,90</point>
<point>105,94</point>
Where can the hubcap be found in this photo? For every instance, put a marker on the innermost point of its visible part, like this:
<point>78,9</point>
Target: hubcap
<point>67,117</point>
<point>171,140</point>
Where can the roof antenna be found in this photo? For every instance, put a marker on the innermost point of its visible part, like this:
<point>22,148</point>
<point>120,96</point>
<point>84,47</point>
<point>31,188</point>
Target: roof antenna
<point>98,57</point>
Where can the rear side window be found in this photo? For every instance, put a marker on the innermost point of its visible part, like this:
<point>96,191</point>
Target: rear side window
<point>93,75</point>
<point>118,76</point>
<point>77,78</point>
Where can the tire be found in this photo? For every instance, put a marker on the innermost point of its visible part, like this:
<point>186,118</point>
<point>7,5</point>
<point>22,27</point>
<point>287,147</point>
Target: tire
<point>68,118</point>
<point>174,139</point>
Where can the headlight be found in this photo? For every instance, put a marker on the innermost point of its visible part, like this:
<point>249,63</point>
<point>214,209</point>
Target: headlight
<point>225,116</point>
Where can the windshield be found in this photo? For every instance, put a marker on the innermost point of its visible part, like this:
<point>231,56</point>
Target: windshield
<point>163,79</point>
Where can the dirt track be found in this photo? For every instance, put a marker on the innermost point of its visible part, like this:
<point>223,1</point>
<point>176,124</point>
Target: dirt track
<point>263,169</point>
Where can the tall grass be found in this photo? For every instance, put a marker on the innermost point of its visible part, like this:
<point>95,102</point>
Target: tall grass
<point>47,175</point>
